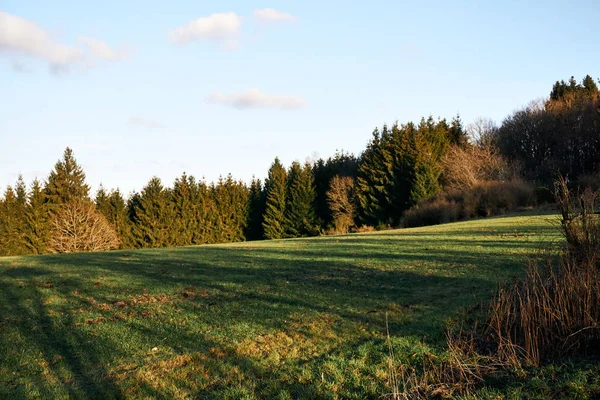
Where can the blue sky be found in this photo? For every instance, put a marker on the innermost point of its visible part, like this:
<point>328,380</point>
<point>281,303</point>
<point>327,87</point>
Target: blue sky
<point>137,88</point>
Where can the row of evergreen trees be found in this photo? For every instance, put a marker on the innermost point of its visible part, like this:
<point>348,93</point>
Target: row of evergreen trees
<point>400,166</point>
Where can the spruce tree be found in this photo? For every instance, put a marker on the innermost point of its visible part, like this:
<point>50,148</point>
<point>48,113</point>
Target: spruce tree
<point>12,226</point>
<point>274,223</point>
<point>152,215</point>
<point>231,205</point>
<point>66,181</point>
<point>185,223</point>
<point>113,207</point>
<point>300,215</point>
<point>37,229</point>
<point>256,209</point>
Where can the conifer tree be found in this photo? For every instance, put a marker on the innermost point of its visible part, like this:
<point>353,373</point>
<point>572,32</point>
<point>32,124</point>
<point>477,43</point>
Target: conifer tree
<point>205,214</point>
<point>274,223</point>
<point>231,205</point>
<point>152,215</point>
<point>66,181</point>
<point>185,223</point>
<point>374,178</point>
<point>12,226</point>
<point>113,207</point>
<point>300,215</point>
<point>37,228</point>
<point>256,210</point>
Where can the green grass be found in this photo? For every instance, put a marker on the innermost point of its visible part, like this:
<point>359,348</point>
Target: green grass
<point>301,318</point>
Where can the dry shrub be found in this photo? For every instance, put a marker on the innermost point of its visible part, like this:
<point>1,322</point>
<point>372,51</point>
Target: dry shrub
<point>77,226</point>
<point>363,229</point>
<point>482,200</point>
<point>472,165</point>
<point>553,312</point>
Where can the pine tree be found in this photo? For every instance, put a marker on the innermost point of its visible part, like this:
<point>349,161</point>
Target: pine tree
<point>231,205</point>
<point>256,210</point>
<point>152,215</point>
<point>12,226</point>
<point>300,215</point>
<point>67,181</point>
<point>185,223</point>
<point>113,207</point>
<point>274,223</point>
<point>374,177</point>
<point>37,232</point>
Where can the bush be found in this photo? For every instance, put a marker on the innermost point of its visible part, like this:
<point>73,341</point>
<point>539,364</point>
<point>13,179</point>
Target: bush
<point>472,165</point>
<point>481,200</point>
<point>77,227</point>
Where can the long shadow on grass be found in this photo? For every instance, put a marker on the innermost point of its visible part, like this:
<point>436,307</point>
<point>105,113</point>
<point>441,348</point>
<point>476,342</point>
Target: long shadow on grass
<point>67,364</point>
<point>255,286</point>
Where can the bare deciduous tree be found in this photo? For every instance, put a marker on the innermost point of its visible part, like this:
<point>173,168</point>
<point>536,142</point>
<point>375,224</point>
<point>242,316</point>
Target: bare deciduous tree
<point>467,167</point>
<point>342,202</point>
<point>483,131</point>
<point>77,227</point>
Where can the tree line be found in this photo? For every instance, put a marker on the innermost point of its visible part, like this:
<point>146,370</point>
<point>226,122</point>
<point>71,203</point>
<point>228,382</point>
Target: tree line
<point>401,166</point>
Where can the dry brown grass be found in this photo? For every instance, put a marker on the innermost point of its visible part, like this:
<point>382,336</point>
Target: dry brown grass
<point>553,312</point>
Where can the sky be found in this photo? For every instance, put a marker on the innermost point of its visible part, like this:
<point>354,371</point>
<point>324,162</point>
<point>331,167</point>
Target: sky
<point>154,88</point>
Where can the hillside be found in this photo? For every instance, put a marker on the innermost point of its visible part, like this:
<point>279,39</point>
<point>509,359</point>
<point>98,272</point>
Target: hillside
<point>299,318</point>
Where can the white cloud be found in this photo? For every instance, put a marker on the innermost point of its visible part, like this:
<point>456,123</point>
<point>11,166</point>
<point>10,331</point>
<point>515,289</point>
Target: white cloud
<point>24,37</point>
<point>272,15</point>
<point>145,122</point>
<point>254,98</point>
<point>223,28</point>
<point>101,50</point>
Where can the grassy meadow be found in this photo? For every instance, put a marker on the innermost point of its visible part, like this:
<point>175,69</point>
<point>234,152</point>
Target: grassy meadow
<point>288,319</point>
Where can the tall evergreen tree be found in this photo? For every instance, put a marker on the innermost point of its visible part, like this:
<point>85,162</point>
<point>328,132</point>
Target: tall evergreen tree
<point>152,215</point>
<point>300,215</point>
<point>113,207</point>
<point>256,210</point>
<point>12,225</point>
<point>274,223</point>
<point>185,223</point>
<point>36,216</point>
<point>231,205</point>
<point>66,181</point>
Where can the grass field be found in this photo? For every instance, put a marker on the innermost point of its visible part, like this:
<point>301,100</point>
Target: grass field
<point>301,318</point>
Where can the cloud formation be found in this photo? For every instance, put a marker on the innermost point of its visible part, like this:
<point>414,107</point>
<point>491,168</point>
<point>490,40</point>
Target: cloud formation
<point>23,37</point>
<point>254,98</point>
<point>222,28</point>
<point>145,122</point>
<point>272,15</point>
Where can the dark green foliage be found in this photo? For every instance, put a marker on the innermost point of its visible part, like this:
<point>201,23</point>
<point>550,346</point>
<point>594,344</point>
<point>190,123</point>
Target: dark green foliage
<point>563,89</point>
<point>185,200</point>
<point>402,166</point>
<point>256,210</point>
<point>300,214</point>
<point>37,229</point>
<point>66,181</point>
<point>153,216</point>
<point>12,222</point>
<point>274,221</point>
<point>114,208</point>
<point>341,164</point>
<point>231,206</point>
